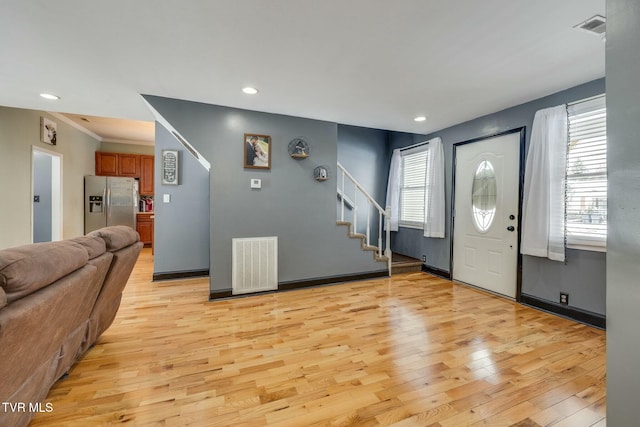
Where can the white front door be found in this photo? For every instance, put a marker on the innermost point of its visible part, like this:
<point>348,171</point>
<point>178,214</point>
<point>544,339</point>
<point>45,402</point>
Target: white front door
<point>485,237</point>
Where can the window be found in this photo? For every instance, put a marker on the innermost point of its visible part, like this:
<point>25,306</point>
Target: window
<point>483,196</point>
<point>412,190</point>
<point>586,185</point>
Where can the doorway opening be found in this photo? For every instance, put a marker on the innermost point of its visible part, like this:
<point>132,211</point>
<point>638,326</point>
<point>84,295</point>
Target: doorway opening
<point>46,195</point>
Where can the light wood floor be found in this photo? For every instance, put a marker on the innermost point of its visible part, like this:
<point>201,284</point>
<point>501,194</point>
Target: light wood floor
<point>412,350</point>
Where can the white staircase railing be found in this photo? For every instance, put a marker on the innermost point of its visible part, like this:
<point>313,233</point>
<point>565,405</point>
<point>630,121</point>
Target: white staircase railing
<point>383,215</point>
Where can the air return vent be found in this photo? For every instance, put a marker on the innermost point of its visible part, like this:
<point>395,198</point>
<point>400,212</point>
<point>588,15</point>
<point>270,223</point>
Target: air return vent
<point>595,25</point>
<point>255,265</point>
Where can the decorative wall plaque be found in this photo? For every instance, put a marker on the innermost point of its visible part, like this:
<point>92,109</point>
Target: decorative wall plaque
<point>170,167</point>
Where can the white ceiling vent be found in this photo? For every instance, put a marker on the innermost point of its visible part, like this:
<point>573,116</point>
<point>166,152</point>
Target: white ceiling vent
<point>595,25</point>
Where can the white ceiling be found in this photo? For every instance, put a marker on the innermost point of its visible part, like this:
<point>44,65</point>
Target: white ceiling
<point>112,130</point>
<point>373,63</point>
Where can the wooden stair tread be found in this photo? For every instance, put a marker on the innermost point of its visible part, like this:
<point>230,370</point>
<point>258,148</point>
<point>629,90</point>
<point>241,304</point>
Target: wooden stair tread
<point>398,258</point>
<point>404,264</point>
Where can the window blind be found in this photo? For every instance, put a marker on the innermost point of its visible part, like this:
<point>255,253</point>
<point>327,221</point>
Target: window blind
<point>586,184</point>
<point>414,166</point>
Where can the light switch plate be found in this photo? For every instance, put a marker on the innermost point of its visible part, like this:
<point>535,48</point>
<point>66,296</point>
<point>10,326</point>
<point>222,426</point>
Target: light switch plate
<point>256,183</point>
<point>166,198</point>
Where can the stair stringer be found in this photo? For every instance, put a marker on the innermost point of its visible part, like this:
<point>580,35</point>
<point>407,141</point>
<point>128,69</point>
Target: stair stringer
<point>363,245</point>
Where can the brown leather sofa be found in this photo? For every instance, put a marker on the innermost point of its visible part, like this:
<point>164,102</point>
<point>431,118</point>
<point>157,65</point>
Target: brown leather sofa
<point>56,299</point>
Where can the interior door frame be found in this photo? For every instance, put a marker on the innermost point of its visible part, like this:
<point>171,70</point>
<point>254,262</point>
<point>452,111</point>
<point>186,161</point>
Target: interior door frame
<point>57,199</point>
<point>522,131</point>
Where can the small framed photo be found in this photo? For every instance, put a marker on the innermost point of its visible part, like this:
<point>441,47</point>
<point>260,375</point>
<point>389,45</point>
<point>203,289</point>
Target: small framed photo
<point>257,151</point>
<point>170,165</point>
<point>48,131</point>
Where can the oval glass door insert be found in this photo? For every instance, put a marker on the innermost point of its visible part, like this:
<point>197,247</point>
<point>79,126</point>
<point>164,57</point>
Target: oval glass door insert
<point>483,196</point>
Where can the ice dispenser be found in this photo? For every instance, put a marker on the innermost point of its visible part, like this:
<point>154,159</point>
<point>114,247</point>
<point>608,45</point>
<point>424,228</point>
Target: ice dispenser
<point>95,204</point>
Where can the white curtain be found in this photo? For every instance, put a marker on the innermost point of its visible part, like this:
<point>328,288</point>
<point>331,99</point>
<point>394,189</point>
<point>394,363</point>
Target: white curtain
<point>544,186</point>
<point>393,190</point>
<point>434,202</point>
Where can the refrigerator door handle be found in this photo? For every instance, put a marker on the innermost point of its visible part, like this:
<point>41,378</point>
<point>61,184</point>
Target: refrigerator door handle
<point>108,203</point>
<point>136,204</point>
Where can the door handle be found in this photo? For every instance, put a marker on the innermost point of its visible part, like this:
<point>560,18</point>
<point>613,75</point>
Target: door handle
<point>511,228</point>
<point>108,203</point>
<point>105,200</point>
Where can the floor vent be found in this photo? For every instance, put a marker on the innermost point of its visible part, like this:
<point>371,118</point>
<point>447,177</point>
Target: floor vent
<point>255,265</point>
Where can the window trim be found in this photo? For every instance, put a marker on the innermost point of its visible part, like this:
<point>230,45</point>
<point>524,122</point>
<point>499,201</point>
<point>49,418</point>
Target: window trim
<point>415,150</point>
<point>583,241</point>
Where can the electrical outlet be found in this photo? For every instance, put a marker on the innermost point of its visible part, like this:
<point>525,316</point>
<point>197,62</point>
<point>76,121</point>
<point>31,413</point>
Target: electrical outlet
<point>564,298</point>
<point>424,258</point>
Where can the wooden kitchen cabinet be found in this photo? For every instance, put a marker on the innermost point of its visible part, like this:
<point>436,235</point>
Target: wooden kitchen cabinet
<point>144,227</point>
<point>117,164</point>
<point>139,166</point>
<point>146,174</point>
<point>129,165</point>
<point>106,164</point>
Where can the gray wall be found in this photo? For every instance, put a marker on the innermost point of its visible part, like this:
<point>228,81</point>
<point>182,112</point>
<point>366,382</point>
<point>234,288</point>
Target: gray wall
<point>364,153</point>
<point>181,228</point>
<point>623,241</point>
<point>587,291</point>
<point>290,205</point>
<point>19,130</point>
<point>42,168</point>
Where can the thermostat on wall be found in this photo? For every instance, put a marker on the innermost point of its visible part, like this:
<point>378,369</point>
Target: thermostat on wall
<point>256,183</point>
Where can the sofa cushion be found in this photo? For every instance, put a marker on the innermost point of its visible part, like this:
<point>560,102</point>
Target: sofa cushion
<point>94,245</point>
<point>25,269</point>
<point>3,298</point>
<point>117,237</point>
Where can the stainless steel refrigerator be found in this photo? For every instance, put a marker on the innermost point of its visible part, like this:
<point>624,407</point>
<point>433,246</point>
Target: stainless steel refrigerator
<point>109,200</point>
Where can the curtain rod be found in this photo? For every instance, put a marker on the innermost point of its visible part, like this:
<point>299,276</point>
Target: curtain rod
<point>414,145</point>
<point>569,104</point>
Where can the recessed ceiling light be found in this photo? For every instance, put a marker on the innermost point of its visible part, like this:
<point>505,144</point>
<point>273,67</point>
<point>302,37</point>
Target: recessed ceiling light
<point>420,119</point>
<point>250,90</point>
<point>49,96</point>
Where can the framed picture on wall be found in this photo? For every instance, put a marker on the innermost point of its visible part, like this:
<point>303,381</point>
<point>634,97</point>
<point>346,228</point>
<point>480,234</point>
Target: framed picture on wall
<point>170,167</point>
<point>257,151</point>
<point>48,131</point>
